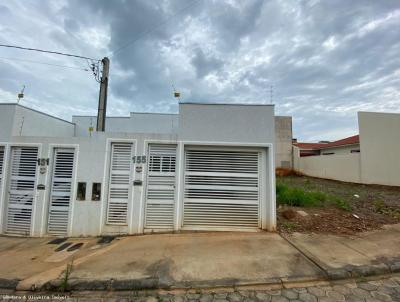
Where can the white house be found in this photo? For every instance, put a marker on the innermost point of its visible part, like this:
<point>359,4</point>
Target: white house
<point>372,157</point>
<point>210,167</point>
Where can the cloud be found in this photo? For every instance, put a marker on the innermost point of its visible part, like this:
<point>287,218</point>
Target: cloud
<point>325,59</point>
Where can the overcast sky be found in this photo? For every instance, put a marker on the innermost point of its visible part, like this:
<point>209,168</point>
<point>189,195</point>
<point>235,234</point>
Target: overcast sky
<point>326,60</point>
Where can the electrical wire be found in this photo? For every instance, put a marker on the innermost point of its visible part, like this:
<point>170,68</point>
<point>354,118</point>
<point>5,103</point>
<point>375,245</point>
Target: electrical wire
<point>141,35</point>
<point>47,51</point>
<point>43,63</point>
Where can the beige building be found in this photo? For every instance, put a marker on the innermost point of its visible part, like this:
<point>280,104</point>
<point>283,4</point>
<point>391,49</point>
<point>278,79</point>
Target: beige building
<point>372,157</point>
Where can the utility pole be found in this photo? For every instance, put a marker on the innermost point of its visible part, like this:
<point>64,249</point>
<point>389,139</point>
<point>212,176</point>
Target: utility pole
<point>101,114</point>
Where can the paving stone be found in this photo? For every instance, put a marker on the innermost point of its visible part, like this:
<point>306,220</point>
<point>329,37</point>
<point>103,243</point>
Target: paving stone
<point>389,283</point>
<point>326,299</point>
<point>306,297</point>
<point>317,291</point>
<point>335,295</point>
<point>386,290</point>
<point>290,294</point>
<point>352,298</point>
<point>263,296</point>
<point>367,286</point>
<point>279,299</point>
<point>300,290</point>
<point>235,297</point>
<point>178,299</point>
<point>220,295</point>
<point>344,290</point>
<point>247,299</point>
<point>376,282</point>
<point>224,300</point>
<point>381,296</point>
<point>192,296</point>
<point>359,292</point>
<point>206,298</point>
<point>275,292</point>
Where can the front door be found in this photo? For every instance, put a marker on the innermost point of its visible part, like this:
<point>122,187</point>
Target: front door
<point>61,191</point>
<point>21,190</point>
<point>160,193</point>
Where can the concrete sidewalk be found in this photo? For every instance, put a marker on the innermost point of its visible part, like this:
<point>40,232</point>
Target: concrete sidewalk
<point>370,253</point>
<point>198,260</point>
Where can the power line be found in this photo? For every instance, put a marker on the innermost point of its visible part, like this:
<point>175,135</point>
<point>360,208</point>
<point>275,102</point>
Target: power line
<point>48,51</point>
<point>43,63</point>
<point>141,35</point>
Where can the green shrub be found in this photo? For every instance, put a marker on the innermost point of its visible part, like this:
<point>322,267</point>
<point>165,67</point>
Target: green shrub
<point>280,187</point>
<point>298,197</point>
<point>341,204</point>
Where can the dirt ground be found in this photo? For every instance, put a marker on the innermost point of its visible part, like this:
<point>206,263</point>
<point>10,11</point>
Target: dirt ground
<point>372,206</point>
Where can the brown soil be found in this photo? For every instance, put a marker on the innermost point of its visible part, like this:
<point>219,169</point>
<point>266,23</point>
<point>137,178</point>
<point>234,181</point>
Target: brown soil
<point>375,207</point>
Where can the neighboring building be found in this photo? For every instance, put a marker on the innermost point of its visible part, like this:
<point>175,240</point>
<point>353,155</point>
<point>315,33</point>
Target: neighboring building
<point>372,157</point>
<point>210,167</point>
<point>343,146</point>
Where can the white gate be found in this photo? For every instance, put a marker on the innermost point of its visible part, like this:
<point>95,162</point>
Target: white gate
<point>120,183</point>
<point>160,193</point>
<point>61,190</point>
<point>221,189</point>
<point>21,189</point>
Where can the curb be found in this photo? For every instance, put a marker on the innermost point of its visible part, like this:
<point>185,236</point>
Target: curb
<point>348,272</point>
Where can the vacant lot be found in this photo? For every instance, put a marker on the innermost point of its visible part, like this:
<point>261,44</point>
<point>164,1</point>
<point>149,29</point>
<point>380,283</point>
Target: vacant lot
<point>334,207</point>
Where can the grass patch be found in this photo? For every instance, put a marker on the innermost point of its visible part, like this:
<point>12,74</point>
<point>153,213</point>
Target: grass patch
<point>289,226</point>
<point>298,197</point>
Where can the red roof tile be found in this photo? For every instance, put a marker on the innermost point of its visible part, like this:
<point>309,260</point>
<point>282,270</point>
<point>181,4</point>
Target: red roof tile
<point>355,139</point>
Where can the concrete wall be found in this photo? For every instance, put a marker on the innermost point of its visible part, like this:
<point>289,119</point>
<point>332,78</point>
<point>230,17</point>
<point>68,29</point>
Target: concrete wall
<point>226,123</point>
<point>337,167</point>
<point>283,142</point>
<point>87,217</point>
<point>380,147</point>
<point>7,112</point>
<point>342,150</point>
<point>17,120</point>
<point>135,123</point>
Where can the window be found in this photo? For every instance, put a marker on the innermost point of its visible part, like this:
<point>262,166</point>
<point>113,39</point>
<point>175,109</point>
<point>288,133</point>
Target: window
<point>355,151</point>
<point>96,191</point>
<point>81,192</point>
<point>328,153</point>
<point>162,163</point>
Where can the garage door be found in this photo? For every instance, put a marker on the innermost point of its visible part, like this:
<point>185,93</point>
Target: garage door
<point>221,189</point>
<point>21,190</point>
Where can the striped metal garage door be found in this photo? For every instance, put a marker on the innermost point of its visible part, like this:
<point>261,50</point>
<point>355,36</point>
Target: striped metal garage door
<point>21,190</point>
<point>120,183</point>
<point>160,195</point>
<point>61,190</point>
<point>221,189</point>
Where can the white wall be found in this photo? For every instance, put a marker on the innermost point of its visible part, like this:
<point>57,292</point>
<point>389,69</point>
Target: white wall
<point>337,167</point>
<point>136,123</point>
<point>342,150</point>
<point>227,123</point>
<point>7,112</point>
<point>380,147</point>
<point>17,120</point>
<point>283,142</point>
